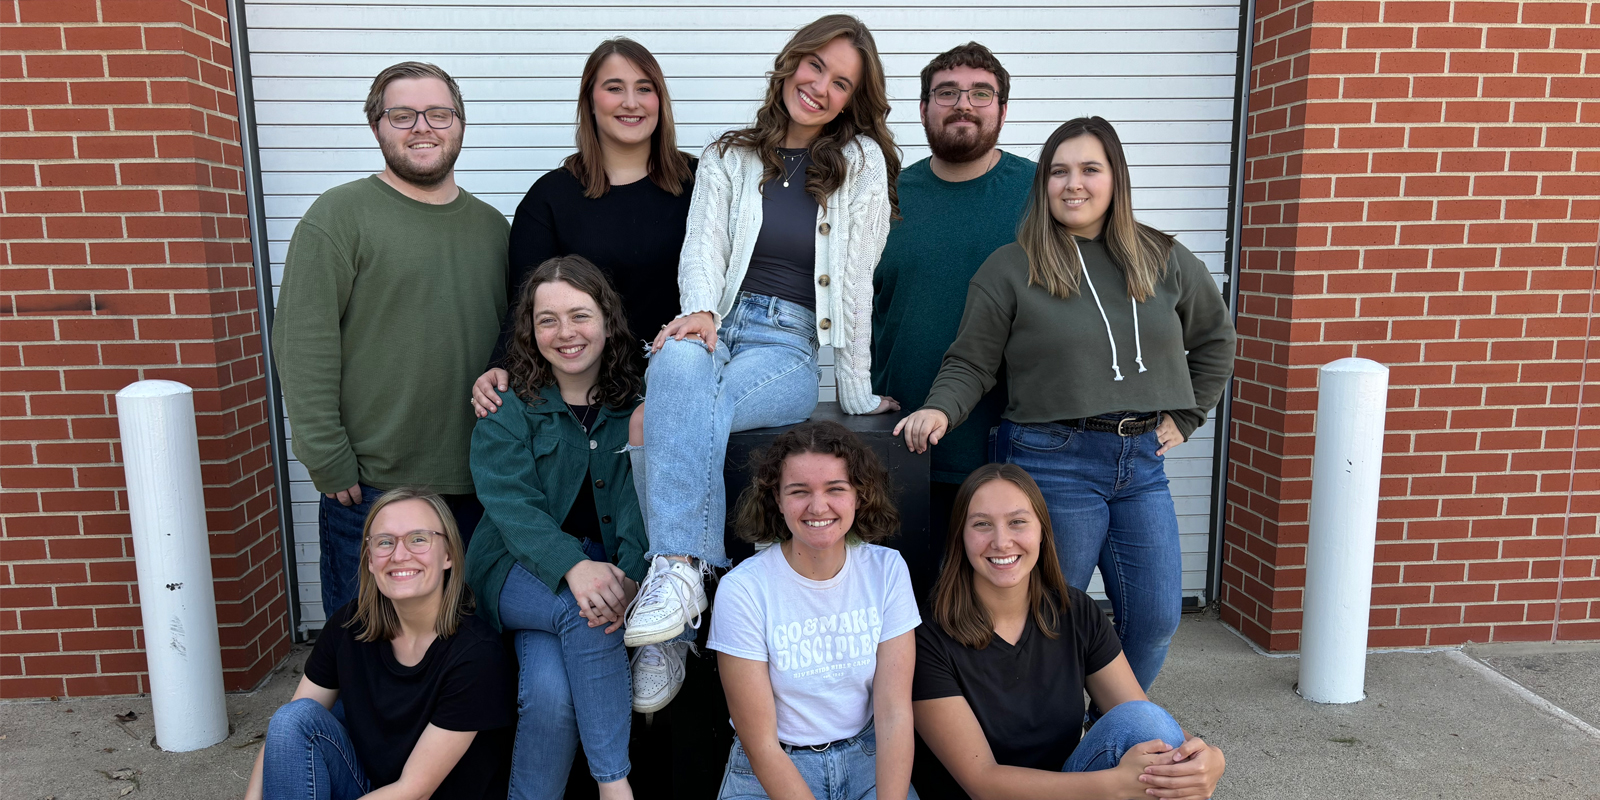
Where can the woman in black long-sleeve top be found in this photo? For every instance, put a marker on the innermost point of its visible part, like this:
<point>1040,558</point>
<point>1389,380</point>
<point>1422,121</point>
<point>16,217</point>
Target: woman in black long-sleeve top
<point>621,201</point>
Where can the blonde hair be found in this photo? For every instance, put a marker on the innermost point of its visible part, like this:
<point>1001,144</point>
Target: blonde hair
<point>375,614</point>
<point>1054,263</point>
<point>409,69</point>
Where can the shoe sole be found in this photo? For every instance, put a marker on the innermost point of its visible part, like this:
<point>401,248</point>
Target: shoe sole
<point>632,637</point>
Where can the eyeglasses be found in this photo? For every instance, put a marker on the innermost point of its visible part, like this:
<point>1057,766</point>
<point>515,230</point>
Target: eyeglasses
<point>979,97</point>
<point>438,117</point>
<point>417,542</point>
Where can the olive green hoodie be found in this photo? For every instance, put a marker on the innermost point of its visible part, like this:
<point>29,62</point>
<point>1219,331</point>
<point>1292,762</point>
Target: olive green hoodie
<point>1079,357</point>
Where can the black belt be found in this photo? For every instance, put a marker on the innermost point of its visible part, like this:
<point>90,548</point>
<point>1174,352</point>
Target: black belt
<point>1132,425</point>
<point>823,748</point>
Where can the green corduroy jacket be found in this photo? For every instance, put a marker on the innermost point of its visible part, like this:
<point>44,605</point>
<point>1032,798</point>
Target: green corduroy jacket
<point>528,465</point>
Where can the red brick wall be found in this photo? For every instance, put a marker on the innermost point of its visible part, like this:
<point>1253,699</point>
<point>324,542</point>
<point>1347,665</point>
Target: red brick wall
<point>1423,188</point>
<point>126,257</point>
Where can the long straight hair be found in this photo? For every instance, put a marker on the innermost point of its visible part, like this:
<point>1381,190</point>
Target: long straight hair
<point>618,385</point>
<point>1053,262</point>
<point>375,618</point>
<point>866,114</point>
<point>956,606</point>
<point>669,166</point>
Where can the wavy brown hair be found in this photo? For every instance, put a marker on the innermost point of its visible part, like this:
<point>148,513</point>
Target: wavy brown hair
<point>956,606</point>
<point>1053,264</point>
<point>619,384</point>
<point>866,114</point>
<point>759,519</point>
<point>375,619</point>
<point>669,166</point>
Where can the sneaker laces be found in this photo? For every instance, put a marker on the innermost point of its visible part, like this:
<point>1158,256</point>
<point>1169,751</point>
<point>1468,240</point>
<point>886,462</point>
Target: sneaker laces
<point>663,580</point>
<point>655,656</point>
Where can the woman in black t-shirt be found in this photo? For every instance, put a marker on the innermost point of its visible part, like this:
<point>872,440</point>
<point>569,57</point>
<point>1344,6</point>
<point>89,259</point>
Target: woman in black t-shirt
<point>621,201</point>
<point>998,692</point>
<point>425,684</point>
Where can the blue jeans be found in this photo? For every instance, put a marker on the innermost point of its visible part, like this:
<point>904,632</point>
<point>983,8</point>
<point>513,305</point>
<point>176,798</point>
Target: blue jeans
<point>1109,507</point>
<point>846,770</point>
<point>309,756</point>
<point>572,681</point>
<point>339,536</point>
<point>762,374</point>
<point>1131,723</point>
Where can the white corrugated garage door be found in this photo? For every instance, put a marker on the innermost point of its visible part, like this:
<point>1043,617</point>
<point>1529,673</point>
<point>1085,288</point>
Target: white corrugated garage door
<point>1161,70</point>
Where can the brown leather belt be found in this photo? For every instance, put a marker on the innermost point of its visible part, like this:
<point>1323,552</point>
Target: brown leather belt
<point>1126,426</point>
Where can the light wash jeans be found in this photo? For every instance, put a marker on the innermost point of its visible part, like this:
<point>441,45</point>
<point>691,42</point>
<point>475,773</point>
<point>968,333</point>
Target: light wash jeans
<point>1110,507</point>
<point>1133,722</point>
<point>846,770</point>
<point>762,374</point>
<point>572,680</point>
<point>309,756</point>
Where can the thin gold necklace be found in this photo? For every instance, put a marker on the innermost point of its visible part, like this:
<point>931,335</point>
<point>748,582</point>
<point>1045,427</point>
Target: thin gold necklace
<point>799,160</point>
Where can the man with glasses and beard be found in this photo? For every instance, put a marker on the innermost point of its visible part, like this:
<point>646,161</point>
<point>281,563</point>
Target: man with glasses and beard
<point>393,291</point>
<point>959,205</point>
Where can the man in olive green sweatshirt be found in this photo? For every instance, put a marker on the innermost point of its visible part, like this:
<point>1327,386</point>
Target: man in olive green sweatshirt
<point>393,290</point>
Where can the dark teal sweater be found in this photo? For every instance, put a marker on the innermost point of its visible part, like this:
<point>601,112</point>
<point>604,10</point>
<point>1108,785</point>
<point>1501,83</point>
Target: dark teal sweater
<point>920,288</point>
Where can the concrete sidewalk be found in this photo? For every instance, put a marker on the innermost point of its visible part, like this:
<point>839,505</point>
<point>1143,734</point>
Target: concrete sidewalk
<point>1487,722</point>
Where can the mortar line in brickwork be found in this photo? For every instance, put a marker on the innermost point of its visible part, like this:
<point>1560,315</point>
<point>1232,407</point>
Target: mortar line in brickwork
<point>1577,427</point>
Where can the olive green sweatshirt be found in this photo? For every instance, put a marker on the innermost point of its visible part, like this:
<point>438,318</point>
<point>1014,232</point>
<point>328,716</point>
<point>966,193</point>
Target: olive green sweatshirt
<point>388,311</point>
<point>1061,363</point>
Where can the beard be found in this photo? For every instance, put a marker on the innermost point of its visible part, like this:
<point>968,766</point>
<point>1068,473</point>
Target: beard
<point>963,145</point>
<point>395,156</point>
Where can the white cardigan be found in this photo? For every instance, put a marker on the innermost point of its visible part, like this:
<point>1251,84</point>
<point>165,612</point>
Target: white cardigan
<point>725,219</point>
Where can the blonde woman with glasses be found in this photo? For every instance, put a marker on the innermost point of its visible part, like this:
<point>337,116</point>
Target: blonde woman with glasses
<point>425,684</point>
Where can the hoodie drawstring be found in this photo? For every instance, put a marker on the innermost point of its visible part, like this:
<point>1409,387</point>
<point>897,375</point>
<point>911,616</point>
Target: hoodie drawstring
<point>1138,357</point>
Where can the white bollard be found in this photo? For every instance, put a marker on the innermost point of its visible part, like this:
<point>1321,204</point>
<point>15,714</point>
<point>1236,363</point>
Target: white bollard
<point>1351,400</point>
<point>161,458</point>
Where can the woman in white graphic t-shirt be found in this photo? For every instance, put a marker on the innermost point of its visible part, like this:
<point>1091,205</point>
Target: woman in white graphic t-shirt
<point>814,635</point>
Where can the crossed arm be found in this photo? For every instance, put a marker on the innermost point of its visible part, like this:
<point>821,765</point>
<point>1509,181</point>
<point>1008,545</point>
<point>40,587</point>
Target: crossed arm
<point>1150,769</point>
<point>435,754</point>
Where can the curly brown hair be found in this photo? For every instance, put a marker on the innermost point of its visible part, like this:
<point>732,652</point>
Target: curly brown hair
<point>867,113</point>
<point>759,519</point>
<point>619,384</point>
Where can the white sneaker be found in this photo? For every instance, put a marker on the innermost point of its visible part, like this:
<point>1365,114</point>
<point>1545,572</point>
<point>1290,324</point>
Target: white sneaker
<point>657,675</point>
<point>673,595</point>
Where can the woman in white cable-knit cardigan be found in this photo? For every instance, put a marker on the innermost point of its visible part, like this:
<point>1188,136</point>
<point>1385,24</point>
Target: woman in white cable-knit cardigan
<point>786,224</point>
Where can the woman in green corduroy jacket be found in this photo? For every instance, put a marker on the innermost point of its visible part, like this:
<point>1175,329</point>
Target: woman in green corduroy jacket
<point>560,550</point>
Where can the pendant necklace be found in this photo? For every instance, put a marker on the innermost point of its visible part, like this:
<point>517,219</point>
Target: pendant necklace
<point>800,159</point>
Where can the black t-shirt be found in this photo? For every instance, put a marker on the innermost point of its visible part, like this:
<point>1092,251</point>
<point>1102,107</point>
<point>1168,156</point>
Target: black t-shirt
<point>464,683</point>
<point>783,260</point>
<point>633,233</point>
<point>1028,697</point>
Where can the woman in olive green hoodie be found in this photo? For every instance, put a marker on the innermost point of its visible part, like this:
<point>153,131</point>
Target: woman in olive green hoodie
<point>1084,287</point>
<point>560,550</point>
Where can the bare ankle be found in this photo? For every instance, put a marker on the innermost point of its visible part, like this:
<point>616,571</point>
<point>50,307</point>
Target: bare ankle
<point>616,790</point>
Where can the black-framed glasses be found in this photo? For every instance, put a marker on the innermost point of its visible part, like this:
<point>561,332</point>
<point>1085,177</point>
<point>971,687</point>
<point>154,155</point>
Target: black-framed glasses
<point>417,542</point>
<point>438,117</point>
<point>978,96</point>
